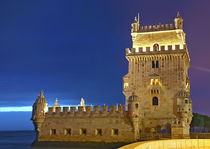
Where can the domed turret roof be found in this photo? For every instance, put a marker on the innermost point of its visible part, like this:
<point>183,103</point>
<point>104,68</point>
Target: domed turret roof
<point>56,103</point>
<point>133,97</point>
<point>135,20</point>
<point>40,98</point>
<point>178,15</point>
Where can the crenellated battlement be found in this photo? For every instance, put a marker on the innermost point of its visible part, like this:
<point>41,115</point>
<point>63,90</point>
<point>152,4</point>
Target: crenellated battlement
<point>160,27</point>
<point>87,111</point>
<point>162,49</point>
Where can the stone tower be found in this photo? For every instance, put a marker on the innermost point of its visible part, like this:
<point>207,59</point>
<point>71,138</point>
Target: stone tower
<point>158,76</point>
<point>38,113</point>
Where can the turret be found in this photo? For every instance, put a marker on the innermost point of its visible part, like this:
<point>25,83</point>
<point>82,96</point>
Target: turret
<point>39,107</point>
<point>82,103</point>
<point>135,25</point>
<point>38,114</point>
<point>178,22</point>
<point>55,104</point>
<point>133,109</point>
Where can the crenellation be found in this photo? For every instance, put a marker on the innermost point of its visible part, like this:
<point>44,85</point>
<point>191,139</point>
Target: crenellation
<point>81,109</point>
<point>73,109</point>
<point>121,108</point>
<point>154,27</point>
<point>104,109</point>
<point>112,109</point>
<point>96,109</point>
<point>58,110</point>
<point>50,110</point>
<point>162,27</point>
<point>127,50</point>
<point>142,28</point>
<point>140,49</point>
<point>150,27</point>
<point>169,47</point>
<point>177,47</point>
<point>145,27</point>
<point>84,111</point>
<point>163,48</point>
<point>65,109</point>
<point>133,50</point>
<point>89,109</point>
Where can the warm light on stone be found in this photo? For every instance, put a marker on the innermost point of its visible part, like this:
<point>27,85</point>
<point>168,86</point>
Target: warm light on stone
<point>155,94</point>
<point>171,144</point>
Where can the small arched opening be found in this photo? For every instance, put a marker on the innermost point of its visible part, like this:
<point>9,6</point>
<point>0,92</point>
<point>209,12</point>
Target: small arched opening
<point>156,47</point>
<point>155,101</point>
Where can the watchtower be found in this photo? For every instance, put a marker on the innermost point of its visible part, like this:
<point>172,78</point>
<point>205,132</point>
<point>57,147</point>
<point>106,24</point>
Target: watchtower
<point>158,75</point>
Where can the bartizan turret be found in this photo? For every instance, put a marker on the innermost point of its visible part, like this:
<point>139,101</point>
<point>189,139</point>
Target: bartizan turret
<point>178,22</point>
<point>55,104</point>
<point>39,109</point>
<point>135,25</point>
<point>133,110</point>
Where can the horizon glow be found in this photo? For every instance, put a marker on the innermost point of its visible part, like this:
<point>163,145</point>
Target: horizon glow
<point>26,108</point>
<point>16,109</point>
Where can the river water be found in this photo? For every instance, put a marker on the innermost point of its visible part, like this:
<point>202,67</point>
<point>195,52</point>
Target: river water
<point>24,139</point>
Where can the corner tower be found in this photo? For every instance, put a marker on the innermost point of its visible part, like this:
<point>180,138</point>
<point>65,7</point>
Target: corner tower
<point>158,75</point>
<point>38,113</point>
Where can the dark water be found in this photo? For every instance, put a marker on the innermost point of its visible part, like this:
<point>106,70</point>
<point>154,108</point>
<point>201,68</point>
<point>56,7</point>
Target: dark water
<point>24,139</point>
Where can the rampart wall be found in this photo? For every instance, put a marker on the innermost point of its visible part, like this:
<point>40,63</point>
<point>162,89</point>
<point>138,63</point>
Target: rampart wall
<point>87,124</point>
<point>88,111</point>
<point>171,144</point>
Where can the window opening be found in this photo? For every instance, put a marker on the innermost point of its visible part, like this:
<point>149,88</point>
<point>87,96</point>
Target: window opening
<point>125,85</point>
<point>153,64</point>
<point>156,47</point>
<point>99,132</point>
<point>157,64</point>
<point>137,106</point>
<point>83,131</point>
<point>68,131</point>
<point>53,132</point>
<point>155,101</point>
<point>115,132</point>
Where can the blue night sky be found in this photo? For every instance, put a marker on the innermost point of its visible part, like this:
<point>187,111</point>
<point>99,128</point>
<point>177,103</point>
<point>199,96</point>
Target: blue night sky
<point>76,48</point>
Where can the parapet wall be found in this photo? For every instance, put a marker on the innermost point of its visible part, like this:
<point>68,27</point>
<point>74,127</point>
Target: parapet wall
<point>149,28</point>
<point>171,144</point>
<point>144,50</point>
<point>87,111</point>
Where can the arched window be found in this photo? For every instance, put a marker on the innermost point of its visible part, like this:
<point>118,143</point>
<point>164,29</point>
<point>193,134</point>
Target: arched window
<point>153,64</point>
<point>156,47</point>
<point>137,105</point>
<point>157,64</point>
<point>154,101</point>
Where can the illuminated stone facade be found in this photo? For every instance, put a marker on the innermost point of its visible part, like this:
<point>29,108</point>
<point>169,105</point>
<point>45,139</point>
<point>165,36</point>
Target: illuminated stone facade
<point>156,88</point>
<point>82,124</point>
<point>158,76</point>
